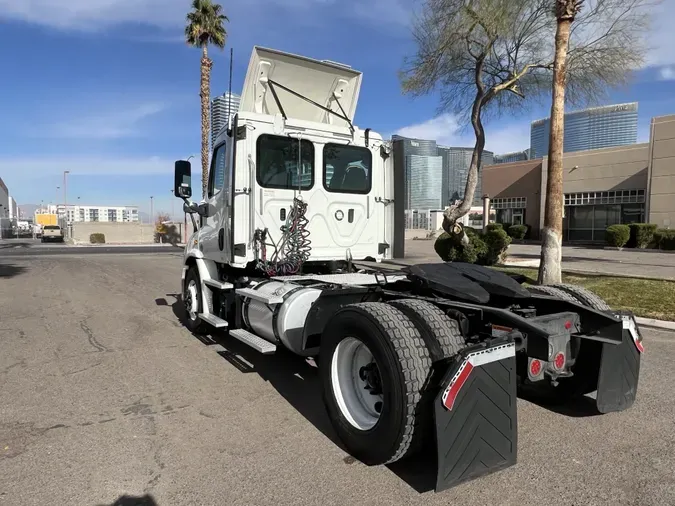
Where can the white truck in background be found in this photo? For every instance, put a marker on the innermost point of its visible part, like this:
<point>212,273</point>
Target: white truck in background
<point>302,210</point>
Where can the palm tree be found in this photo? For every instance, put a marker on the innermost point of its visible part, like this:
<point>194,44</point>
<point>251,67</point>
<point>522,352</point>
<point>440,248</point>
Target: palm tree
<point>551,250</point>
<point>205,25</point>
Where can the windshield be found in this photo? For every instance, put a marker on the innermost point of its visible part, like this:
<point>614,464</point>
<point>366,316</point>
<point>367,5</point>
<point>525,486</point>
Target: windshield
<point>347,169</point>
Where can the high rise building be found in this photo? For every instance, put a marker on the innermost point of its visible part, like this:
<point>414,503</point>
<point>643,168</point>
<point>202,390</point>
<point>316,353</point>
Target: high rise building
<point>516,156</point>
<point>594,128</point>
<point>223,109</point>
<point>423,173</point>
<point>456,162</point>
<point>435,176</point>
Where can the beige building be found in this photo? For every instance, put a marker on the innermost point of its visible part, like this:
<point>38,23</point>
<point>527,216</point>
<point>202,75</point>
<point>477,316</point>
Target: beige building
<point>627,184</point>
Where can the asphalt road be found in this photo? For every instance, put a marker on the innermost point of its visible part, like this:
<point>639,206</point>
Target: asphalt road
<point>33,247</point>
<point>104,394</point>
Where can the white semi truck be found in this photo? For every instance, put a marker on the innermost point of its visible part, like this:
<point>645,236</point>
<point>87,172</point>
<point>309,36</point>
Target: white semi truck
<point>302,209</point>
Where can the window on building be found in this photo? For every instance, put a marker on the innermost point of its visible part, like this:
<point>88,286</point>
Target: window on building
<point>284,163</point>
<point>347,169</point>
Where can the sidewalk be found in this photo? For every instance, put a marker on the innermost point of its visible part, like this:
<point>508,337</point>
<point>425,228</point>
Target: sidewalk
<point>630,263</point>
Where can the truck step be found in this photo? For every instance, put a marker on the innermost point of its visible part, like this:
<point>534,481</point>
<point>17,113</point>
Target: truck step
<point>259,296</point>
<point>213,320</point>
<point>220,285</point>
<point>257,343</point>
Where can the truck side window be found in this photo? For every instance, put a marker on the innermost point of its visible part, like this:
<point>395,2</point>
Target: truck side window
<point>217,172</point>
<point>347,169</point>
<point>284,163</point>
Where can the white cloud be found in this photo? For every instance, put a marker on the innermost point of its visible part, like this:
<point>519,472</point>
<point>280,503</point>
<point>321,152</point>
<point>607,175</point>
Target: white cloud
<point>667,73</point>
<point>443,129</point>
<point>661,37</point>
<point>112,164</point>
<point>92,15</point>
<point>446,130</point>
<point>120,122</point>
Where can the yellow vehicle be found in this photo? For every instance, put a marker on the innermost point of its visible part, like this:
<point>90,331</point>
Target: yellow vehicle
<point>46,219</point>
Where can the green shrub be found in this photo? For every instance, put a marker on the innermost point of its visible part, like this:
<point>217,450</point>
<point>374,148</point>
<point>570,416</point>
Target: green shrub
<point>665,239</point>
<point>517,231</point>
<point>641,234</point>
<point>617,235</point>
<point>494,226</point>
<point>488,248</point>
<point>496,240</point>
<point>97,238</point>
<point>450,248</point>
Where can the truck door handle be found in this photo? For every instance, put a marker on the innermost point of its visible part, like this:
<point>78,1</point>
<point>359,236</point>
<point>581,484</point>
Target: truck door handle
<point>282,214</point>
<point>350,216</point>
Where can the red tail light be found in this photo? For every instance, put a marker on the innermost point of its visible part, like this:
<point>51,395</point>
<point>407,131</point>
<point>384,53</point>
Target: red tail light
<point>535,367</point>
<point>559,361</point>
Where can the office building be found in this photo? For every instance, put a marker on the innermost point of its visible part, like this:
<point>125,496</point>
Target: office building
<point>602,187</point>
<point>223,109</point>
<point>456,163</point>
<point>594,128</point>
<point>77,213</point>
<point>423,173</point>
<point>516,156</point>
<point>5,219</point>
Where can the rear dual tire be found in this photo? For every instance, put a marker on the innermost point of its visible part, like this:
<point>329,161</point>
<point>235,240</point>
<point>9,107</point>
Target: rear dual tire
<point>397,338</point>
<point>403,366</point>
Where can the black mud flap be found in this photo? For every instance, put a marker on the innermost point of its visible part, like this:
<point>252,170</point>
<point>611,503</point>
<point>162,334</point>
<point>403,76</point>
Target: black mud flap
<point>476,414</point>
<point>620,370</point>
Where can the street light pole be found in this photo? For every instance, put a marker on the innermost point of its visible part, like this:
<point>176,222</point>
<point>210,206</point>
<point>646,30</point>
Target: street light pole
<point>173,207</point>
<point>151,211</point>
<point>65,194</point>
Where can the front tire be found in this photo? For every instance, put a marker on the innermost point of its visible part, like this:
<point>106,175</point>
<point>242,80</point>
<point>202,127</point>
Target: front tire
<point>192,301</point>
<point>374,368</point>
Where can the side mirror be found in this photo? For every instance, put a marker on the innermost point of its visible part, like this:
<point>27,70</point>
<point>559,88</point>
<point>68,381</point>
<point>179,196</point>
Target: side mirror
<point>182,186</point>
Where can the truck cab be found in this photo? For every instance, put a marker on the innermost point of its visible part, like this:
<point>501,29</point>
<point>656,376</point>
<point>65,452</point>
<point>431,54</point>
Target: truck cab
<point>293,160</point>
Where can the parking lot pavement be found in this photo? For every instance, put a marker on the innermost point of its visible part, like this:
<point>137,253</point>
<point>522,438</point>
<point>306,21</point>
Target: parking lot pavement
<point>34,247</point>
<point>104,394</point>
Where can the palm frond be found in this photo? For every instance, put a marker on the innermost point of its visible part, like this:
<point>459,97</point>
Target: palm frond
<point>205,24</point>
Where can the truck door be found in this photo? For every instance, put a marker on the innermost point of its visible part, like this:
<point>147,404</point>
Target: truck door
<point>349,183</point>
<point>284,170</point>
<point>214,235</point>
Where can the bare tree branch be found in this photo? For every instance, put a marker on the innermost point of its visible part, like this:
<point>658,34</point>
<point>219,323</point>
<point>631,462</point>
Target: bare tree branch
<point>490,57</point>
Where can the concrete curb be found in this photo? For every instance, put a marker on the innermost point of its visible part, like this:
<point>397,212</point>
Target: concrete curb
<point>655,324</point>
<point>534,264</point>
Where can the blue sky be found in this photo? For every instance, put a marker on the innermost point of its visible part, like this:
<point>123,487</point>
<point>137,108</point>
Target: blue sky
<point>108,90</point>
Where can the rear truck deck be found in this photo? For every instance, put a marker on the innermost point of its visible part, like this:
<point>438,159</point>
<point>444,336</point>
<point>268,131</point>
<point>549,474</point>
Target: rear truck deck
<point>433,356</point>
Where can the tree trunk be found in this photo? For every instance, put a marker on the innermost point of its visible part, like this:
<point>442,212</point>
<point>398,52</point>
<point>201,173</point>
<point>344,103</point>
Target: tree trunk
<point>551,246</point>
<point>455,212</point>
<point>205,94</point>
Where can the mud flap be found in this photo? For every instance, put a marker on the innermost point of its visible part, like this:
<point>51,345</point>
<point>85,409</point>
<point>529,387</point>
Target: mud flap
<point>475,414</point>
<point>620,370</point>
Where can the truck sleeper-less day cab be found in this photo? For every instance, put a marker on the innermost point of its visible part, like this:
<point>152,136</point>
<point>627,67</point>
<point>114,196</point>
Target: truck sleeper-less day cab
<point>302,209</point>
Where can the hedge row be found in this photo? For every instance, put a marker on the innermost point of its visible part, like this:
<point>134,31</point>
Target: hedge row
<point>514,231</point>
<point>640,235</point>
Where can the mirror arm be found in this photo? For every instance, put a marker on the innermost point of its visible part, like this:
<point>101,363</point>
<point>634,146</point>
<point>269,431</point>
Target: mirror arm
<point>191,209</point>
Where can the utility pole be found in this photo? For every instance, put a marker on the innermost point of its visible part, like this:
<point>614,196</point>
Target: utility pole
<point>173,207</point>
<point>151,211</point>
<point>65,195</point>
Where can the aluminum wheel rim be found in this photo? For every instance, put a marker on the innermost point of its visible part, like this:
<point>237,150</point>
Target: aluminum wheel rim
<point>357,404</point>
<point>191,303</point>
